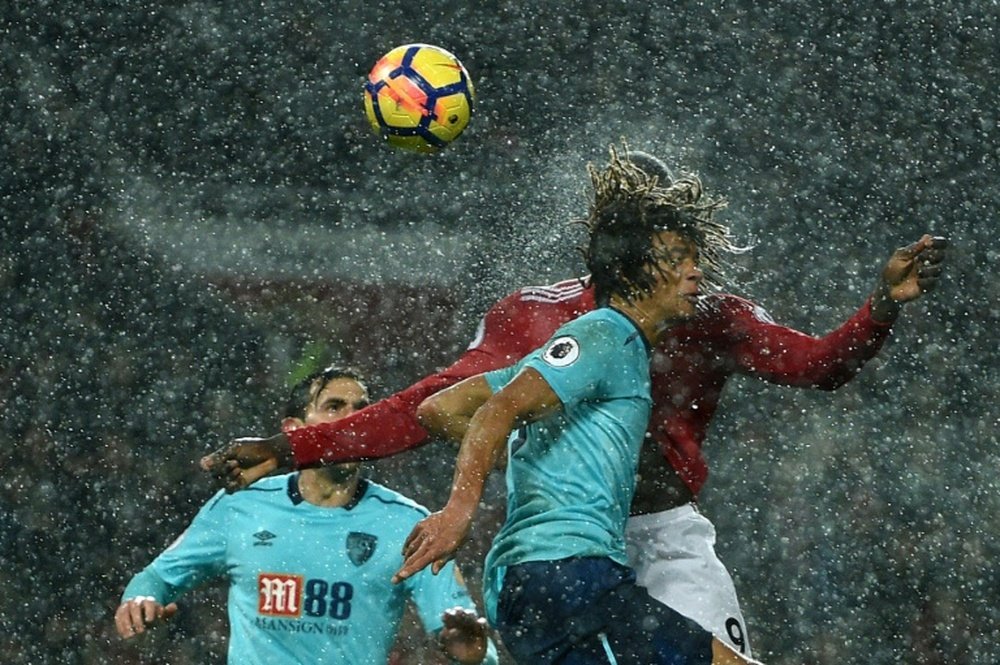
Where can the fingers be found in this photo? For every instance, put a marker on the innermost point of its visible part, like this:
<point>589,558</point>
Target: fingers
<point>232,476</point>
<point>418,559</point>
<point>135,614</point>
<point>460,618</point>
<point>425,553</point>
<point>929,261</point>
<point>928,248</point>
<point>211,461</point>
<point>413,540</point>
<point>169,611</point>
<point>935,253</point>
<point>245,477</point>
<point>911,251</point>
<point>927,277</point>
<point>464,635</point>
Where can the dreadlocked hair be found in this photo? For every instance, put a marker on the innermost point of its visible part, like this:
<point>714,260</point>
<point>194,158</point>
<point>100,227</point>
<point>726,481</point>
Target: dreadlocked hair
<point>628,208</point>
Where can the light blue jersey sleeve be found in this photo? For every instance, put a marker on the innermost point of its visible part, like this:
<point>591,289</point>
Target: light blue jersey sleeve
<point>197,555</point>
<point>577,362</point>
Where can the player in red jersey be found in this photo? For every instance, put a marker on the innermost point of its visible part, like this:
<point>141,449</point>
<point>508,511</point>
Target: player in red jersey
<point>671,545</point>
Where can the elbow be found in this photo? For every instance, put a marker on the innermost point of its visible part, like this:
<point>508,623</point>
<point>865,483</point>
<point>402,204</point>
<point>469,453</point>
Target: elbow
<point>429,415</point>
<point>833,382</point>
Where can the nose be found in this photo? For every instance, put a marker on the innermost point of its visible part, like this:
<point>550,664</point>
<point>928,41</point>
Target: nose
<point>694,273</point>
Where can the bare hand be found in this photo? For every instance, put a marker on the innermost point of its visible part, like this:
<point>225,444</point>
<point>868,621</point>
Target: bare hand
<point>135,614</point>
<point>247,460</point>
<point>464,635</point>
<point>434,540</point>
<point>910,272</point>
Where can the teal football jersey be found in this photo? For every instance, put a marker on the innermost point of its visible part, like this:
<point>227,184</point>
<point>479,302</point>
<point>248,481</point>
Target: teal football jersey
<point>306,583</point>
<point>571,476</point>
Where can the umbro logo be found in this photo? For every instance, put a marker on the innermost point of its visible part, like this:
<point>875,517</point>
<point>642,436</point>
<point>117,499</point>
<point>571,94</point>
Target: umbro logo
<point>263,538</point>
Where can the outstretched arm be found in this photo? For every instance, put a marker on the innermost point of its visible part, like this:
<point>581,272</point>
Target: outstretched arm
<point>786,356</point>
<point>435,539</point>
<point>385,428</point>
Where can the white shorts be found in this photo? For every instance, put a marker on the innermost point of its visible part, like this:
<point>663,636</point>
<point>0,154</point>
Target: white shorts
<point>673,554</point>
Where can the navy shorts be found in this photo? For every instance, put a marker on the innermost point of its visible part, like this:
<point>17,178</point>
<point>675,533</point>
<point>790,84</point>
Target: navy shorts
<point>590,610</point>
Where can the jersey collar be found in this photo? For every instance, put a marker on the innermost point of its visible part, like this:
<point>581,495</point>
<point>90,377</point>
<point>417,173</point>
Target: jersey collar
<point>638,331</point>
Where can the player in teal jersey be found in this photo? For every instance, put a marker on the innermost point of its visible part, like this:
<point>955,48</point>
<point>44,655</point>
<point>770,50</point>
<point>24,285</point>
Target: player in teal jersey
<point>574,414</point>
<point>310,557</point>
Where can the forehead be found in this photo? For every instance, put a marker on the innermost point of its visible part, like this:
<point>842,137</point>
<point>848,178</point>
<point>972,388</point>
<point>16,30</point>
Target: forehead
<point>343,388</point>
<point>673,240</point>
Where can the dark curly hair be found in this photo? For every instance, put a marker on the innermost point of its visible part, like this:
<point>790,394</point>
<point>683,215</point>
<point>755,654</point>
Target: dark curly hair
<point>628,208</point>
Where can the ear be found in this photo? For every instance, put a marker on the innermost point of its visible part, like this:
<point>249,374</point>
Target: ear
<point>288,424</point>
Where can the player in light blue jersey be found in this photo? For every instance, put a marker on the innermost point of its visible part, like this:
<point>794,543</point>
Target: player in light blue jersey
<point>309,557</point>
<point>571,500</point>
<point>573,415</point>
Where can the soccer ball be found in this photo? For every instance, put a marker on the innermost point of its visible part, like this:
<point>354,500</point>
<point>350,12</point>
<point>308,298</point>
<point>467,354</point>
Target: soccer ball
<point>418,97</point>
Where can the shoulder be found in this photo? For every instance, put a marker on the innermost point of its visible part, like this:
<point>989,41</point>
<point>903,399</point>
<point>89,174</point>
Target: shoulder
<point>572,294</point>
<point>726,306</point>
<point>594,335</point>
<point>566,290</point>
<point>593,325</point>
<point>392,502</point>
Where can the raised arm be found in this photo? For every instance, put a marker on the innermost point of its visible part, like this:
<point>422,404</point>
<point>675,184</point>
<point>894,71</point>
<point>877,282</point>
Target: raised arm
<point>526,398</point>
<point>786,356</point>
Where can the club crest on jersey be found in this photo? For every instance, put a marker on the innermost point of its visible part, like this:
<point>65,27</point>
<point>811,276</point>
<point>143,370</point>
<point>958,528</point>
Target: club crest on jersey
<point>561,352</point>
<point>360,547</point>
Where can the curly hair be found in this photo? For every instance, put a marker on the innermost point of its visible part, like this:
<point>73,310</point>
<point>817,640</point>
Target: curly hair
<point>628,208</point>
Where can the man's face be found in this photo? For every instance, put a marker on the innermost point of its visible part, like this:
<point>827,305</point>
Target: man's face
<point>678,277</point>
<point>337,399</point>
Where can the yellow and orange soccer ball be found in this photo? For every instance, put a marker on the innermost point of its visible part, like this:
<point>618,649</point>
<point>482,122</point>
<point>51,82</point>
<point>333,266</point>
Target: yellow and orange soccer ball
<point>419,97</point>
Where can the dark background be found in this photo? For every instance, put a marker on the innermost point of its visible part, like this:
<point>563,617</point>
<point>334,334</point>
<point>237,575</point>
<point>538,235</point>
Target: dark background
<point>194,210</point>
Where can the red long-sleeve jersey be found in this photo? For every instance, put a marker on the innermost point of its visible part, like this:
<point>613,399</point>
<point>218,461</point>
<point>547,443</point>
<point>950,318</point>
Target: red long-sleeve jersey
<point>690,366</point>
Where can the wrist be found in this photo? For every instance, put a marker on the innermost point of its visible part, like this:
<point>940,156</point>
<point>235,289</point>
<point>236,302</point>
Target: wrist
<point>462,505</point>
<point>281,447</point>
<point>884,308</point>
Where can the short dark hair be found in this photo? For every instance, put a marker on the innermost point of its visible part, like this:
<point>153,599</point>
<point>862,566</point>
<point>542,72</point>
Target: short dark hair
<point>628,208</point>
<point>652,165</point>
<point>305,390</point>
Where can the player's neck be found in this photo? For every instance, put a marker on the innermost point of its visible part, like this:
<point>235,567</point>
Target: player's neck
<point>324,487</point>
<point>646,317</point>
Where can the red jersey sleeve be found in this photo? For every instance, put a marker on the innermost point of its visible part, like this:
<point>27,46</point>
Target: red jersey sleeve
<point>786,356</point>
<point>390,426</point>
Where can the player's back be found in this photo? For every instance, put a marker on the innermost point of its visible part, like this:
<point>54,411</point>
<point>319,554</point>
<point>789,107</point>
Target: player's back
<point>526,319</point>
